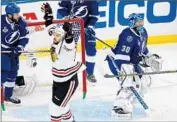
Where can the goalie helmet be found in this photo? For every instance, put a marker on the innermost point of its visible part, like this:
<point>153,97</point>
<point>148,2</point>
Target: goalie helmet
<point>133,18</point>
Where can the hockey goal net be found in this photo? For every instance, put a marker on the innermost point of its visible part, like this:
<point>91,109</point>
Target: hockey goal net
<point>39,40</point>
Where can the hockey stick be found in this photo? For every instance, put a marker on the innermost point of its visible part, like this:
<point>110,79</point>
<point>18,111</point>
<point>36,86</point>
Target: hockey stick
<point>37,51</point>
<point>100,40</point>
<point>140,99</point>
<point>145,73</point>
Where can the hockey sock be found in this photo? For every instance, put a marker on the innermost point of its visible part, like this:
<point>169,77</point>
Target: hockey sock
<point>8,92</point>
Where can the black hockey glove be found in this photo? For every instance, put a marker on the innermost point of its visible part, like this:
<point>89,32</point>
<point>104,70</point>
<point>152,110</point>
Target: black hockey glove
<point>69,37</point>
<point>67,27</point>
<point>48,16</point>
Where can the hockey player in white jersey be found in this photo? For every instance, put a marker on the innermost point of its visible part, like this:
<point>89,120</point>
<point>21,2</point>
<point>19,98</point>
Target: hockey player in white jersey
<point>125,58</point>
<point>65,67</point>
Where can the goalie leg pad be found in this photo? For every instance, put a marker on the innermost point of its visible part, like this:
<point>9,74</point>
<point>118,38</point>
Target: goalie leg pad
<point>127,81</point>
<point>123,104</point>
<point>145,84</point>
<point>144,81</point>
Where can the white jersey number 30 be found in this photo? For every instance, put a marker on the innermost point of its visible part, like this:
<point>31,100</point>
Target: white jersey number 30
<point>125,49</point>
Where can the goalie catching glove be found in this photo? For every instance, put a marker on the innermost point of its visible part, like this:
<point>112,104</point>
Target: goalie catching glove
<point>154,61</point>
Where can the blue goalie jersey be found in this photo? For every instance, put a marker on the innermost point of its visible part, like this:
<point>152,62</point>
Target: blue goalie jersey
<point>130,47</point>
<point>88,10</point>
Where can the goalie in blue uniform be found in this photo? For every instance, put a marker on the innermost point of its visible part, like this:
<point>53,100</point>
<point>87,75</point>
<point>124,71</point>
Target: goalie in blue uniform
<point>127,57</point>
<point>14,37</point>
<point>88,10</point>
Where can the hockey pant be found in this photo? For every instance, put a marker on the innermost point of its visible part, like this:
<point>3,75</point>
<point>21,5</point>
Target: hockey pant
<point>9,70</point>
<point>61,94</point>
<point>90,46</point>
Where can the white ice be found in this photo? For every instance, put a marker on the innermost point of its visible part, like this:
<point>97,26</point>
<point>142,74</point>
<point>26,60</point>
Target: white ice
<point>161,97</point>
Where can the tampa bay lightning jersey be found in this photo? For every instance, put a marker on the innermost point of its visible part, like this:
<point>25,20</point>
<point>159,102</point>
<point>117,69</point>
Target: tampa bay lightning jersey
<point>131,46</point>
<point>13,34</point>
<point>88,10</point>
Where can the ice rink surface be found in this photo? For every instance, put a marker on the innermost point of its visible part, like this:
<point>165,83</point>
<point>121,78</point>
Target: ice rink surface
<point>161,97</point>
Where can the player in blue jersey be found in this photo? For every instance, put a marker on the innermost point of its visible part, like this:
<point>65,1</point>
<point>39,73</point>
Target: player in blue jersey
<point>14,37</point>
<point>88,10</point>
<point>125,57</point>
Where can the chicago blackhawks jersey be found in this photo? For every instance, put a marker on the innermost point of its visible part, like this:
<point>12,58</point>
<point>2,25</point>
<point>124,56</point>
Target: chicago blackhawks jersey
<point>66,66</point>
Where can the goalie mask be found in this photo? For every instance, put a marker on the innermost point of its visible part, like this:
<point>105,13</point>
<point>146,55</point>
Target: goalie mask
<point>136,21</point>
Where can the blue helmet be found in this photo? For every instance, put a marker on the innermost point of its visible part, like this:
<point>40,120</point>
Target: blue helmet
<point>12,8</point>
<point>133,18</point>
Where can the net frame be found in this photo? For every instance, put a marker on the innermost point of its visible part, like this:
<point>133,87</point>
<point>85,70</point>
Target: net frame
<point>82,37</point>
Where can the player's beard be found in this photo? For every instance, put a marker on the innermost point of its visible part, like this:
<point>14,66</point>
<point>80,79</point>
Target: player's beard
<point>15,20</point>
<point>135,29</point>
<point>55,42</point>
<point>12,20</point>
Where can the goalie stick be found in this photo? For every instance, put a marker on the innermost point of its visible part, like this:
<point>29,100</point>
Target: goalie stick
<point>145,73</point>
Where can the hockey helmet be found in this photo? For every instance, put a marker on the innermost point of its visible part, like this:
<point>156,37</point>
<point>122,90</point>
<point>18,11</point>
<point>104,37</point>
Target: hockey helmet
<point>133,18</point>
<point>12,8</point>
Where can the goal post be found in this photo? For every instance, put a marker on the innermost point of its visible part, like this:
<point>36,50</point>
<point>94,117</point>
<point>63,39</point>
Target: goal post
<point>39,26</point>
